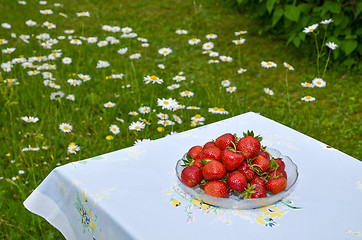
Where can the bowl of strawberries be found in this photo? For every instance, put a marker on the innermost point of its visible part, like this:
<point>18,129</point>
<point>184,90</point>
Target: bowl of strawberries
<point>236,173</point>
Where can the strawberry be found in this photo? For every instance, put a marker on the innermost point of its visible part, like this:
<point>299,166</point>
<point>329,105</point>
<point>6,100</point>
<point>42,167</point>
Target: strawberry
<point>246,171</point>
<point>225,140</point>
<point>195,152</point>
<point>237,181</point>
<point>266,155</point>
<point>209,144</point>
<point>276,185</point>
<point>213,170</point>
<point>258,181</point>
<point>199,162</point>
<point>274,173</point>
<point>260,191</point>
<point>217,188</point>
<point>249,145</point>
<point>260,164</point>
<point>191,175</point>
<point>280,163</point>
<point>211,153</point>
<point>231,159</point>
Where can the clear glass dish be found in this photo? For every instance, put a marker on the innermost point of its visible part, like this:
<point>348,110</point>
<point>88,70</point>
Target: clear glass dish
<point>235,202</point>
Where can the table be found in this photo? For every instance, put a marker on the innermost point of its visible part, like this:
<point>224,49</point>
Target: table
<point>133,193</point>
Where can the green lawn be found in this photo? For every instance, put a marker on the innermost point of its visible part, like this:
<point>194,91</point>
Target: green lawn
<point>333,118</point>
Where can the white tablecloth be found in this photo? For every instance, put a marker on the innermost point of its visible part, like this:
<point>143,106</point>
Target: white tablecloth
<point>133,193</point>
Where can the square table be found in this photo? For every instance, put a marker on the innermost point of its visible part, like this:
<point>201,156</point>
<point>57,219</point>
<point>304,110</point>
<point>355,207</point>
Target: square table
<point>133,193</point>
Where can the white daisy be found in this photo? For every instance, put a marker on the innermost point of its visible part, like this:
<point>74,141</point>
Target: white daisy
<point>137,126</point>
<point>65,127</point>
<point>311,28</point>
<point>70,97</point>
<point>186,93</point>
<point>240,33</point>
<point>211,36</point>
<point>30,119</point>
<point>288,66</point>
<point>169,104</point>
<point>242,70</point>
<point>165,51</point>
<point>318,82</point>
<point>268,64</point>
<point>66,60</point>
<point>327,21</point>
<point>226,59</point>
<point>269,91</point>
<point>194,41</point>
<point>181,31</point>
<point>239,41</point>
<point>135,56</point>
<point>331,45</point>
<point>225,83</point>
<point>173,86</point>
<point>152,79</point>
<point>73,149</point>
<point>114,129</point>
<point>308,98</point>
<point>231,89</point>
<point>208,46</point>
<point>109,104</point>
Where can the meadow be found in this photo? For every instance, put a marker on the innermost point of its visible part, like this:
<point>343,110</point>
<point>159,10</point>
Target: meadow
<point>83,78</point>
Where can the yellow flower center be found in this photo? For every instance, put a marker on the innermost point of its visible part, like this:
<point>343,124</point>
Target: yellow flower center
<point>74,149</point>
<point>65,127</point>
<point>165,102</point>
<point>225,59</point>
<point>208,46</point>
<point>288,66</point>
<point>221,109</point>
<point>197,116</point>
<point>216,108</point>
<point>311,29</point>
<point>165,51</point>
<point>153,77</point>
<point>194,39</point>
<point>319,82</point>
<point>308,97</point>
<point>137,127</point>
<point>28,119</point>
<point>187,92</point>
<point>114,129</point>
<point>268,63</point>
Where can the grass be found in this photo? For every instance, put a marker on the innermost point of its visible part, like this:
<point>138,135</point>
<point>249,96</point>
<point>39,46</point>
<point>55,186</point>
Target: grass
<point>334,118</point>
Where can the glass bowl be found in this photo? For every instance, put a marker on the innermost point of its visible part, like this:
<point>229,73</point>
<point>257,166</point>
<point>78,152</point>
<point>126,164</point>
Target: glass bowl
<point>235,202</point>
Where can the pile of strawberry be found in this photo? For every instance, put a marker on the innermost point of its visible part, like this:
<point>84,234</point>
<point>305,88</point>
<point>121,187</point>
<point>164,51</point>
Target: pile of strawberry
<point>235,165</point>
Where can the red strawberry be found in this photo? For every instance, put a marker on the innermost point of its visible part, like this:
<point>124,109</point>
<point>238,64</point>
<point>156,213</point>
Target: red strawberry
<point>258,181</point>
<point>280,163</point>
<point>276,185</point>
<point>213,170</point>
<point>217,189</point>
<point>209,144</point>
<point>191,175</point>
<point>225,140</point>
<point>274,173</point>
<point>261,164</point>
<point>237,181</point>
<point>249,146</point>
<point>246,171</point>
<point>195,152</point>
<point>260,191</point>
<point>266,155</point>
<point>231,159</point>
<point>211,153</point>
<point>199,163</point>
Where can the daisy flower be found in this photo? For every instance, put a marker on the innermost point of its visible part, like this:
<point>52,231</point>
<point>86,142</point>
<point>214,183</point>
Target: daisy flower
<point>213,61</point>
<point>83,77</point>
<point>133,113</point>
<point>114,129</point>
<point>208,46</point>
<point>161,66</point>
<point>46,11</point>
<point>11,81</point>
<point>145,45</point>
<point>225,83</point>
<point>152,79</point>
<point>239,41</point>
<point>126,30</point>
<point>327,21</point>
<point>165,122</point>
<point>165,51</point>
<point>169,104</point>
<point>3,41</point>
<point>74,82</point>
<point>226,59</point>
<point>70,97</point>
<point>211,36</point>
<point>242,70</point>
<point>30,23</point>
<point>73,149</point>
<point>30,119</point>
<point>223,111</point>
<point>49,25</point>
<point>65,127</point>
<point>268,64</point>
<point>269,91</point>
<point>194,41</point>
<point>109,105</point>
<point>181,31</point>
<point>135,56</point>
<point>213,54</point>
<point>179,78</point>
<point>198,117</point>
<point>306,84</point>
<point>102,43</point>
<point>186,93</point>
<point>92,39</point>
<point>122,50</point>
<point>144,110</point>
<point>142,39</point>
<point>331,45</point>
<point>138,141</point>
<point>288,66</point>
<point>119,76</point>
<point>8,50</point>
<point>173,86</point>
<point>318,82</point>
<point>67,60</point>
<point>56,95</point>
<point>308,98</point>
<point>137,126</point>
<point>63,14</point>
<point>231,89</point>
<point>120,120</point>
<point>177,119</point>
<point>193,108</point>
<point>240,33</point>
<point>83,14</point>
<point>311,28</point>
<point>102,64</point>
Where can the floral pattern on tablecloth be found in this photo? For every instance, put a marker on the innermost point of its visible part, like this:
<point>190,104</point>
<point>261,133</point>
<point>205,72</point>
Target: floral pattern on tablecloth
<point>267,216</point>
<point>359,185</point>
<point>87,217</point>
<point>85,161</point>
<point>353,234</point>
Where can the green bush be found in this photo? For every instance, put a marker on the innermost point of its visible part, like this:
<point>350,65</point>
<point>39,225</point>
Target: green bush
<point>290,17</point>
